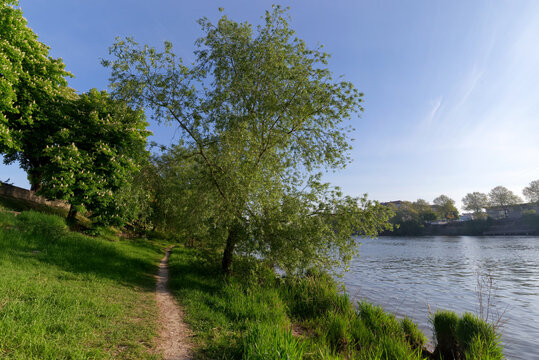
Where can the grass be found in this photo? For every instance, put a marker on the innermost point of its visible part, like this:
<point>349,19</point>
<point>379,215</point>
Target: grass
<point>256,314</point>
<point>64,295</point>
<point>465,338</point>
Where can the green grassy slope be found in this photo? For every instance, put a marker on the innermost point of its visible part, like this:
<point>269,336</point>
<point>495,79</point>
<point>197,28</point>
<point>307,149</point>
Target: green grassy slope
<point>64,295</point>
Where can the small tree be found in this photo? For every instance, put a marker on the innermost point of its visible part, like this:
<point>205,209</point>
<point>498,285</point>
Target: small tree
<point>531,192</point>
<point>475,202</point>
<point>445,207</point>
<point>504,198</point>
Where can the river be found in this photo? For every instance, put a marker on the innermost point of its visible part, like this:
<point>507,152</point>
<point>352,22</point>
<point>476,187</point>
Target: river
<point>410,275</point>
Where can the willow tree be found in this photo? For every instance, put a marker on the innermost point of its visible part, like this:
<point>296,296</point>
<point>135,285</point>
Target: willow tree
<point>261,115</point>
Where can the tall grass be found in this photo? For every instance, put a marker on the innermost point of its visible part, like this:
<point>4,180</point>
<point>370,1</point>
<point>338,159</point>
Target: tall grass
<point>466,337</point>
<point>259,315</point>
<point>64,295</point>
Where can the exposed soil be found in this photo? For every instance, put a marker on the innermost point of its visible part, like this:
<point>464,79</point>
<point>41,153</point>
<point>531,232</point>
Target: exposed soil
<point>174,338</point>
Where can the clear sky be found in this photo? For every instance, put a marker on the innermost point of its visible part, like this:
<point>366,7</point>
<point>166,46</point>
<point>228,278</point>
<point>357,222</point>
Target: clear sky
<point>451,87</point>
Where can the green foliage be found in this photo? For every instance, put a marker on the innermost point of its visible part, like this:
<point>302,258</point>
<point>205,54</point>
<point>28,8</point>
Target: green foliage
<point>337,327</point>
<point>478,339</point>
<point>98,146</point>
<point>445,331</point>
<point>30,82</point>
<point>465,338</point>
<point>445,208</point>
<point>475,202</point>
<point>313,295</point>
<point>260,116</point>
<point>66,295</point>
<point>414,336</point>
<point>410,218</point>
<point>250,314</point>
<point>266,342</point>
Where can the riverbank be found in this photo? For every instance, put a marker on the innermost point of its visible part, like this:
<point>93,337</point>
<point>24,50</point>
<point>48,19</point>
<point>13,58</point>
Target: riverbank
<point>526,225</point>
<point>256,314</point>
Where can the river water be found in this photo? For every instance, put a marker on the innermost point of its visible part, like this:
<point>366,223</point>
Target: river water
<point>409,276</point>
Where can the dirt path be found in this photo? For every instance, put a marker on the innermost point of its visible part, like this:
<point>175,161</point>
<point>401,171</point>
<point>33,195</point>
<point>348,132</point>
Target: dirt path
<point>173,340</point>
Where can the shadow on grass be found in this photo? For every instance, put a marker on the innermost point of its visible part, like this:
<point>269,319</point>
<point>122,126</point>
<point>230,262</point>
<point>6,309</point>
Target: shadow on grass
<point>129,262</point>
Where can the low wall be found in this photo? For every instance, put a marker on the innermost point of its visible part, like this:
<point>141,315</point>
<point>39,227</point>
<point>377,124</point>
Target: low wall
<point>15,192</point>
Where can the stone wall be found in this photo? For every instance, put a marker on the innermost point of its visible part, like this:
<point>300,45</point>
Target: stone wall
<point>15,192</point>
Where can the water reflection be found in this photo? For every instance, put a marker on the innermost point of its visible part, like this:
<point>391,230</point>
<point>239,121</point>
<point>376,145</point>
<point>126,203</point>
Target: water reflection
<point>409,275</point>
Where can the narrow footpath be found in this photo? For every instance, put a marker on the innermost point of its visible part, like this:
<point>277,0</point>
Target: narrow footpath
<point>173,341</point>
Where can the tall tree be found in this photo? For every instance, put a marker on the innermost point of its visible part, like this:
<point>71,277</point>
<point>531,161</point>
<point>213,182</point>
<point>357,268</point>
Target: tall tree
<point>531,192</point>
<point>261,115</point>
<point>504,198</point>
<point>30,84</point>
<point>475,202</point>
<point>445,207</point>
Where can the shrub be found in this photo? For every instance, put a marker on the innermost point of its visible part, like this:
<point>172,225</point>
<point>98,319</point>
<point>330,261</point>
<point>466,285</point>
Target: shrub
<point>49,226</point>
<point>269,342</point>
<point>445,331</point>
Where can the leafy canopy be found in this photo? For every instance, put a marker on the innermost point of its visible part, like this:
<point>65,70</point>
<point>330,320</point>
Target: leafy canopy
<point>531,192</point>
<point>30,80</point>
<point>475,202</point>
<point>98,145</point>
<point>260,116</point>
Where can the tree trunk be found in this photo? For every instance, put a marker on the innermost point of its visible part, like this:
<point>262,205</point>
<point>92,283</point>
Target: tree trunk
<point>34,178</point>
<point>72,215</point>
<point>228,255</point>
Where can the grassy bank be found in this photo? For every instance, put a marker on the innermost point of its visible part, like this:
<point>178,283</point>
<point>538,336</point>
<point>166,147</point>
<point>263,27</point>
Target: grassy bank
<point>64,295</point>
<point>255,314</point>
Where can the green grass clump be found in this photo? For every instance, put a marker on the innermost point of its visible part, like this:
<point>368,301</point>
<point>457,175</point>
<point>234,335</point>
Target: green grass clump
<point>266,342</point>
<point>478,339</point>
<point>445,332</point>
<point>64,295</point>
<point>465,338</point>
<point>413,335</point>
<point>251,314</point>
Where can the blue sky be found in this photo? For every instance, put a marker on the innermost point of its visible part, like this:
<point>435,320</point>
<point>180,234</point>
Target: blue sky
<point>451,88</point>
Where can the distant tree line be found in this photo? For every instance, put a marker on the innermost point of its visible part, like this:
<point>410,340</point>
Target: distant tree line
<point>411,217</point>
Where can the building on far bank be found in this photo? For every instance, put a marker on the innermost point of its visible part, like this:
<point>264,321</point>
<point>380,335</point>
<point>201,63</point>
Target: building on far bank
<point>465,217</point>
<point>512,211</point>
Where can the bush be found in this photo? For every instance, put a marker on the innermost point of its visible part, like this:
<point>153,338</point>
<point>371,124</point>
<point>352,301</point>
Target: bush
<point>36,223</point>
<point>268,342</point>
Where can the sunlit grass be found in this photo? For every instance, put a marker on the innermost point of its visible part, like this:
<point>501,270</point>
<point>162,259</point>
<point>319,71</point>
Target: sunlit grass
<point>256,314</point>
<point>64,295</point>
